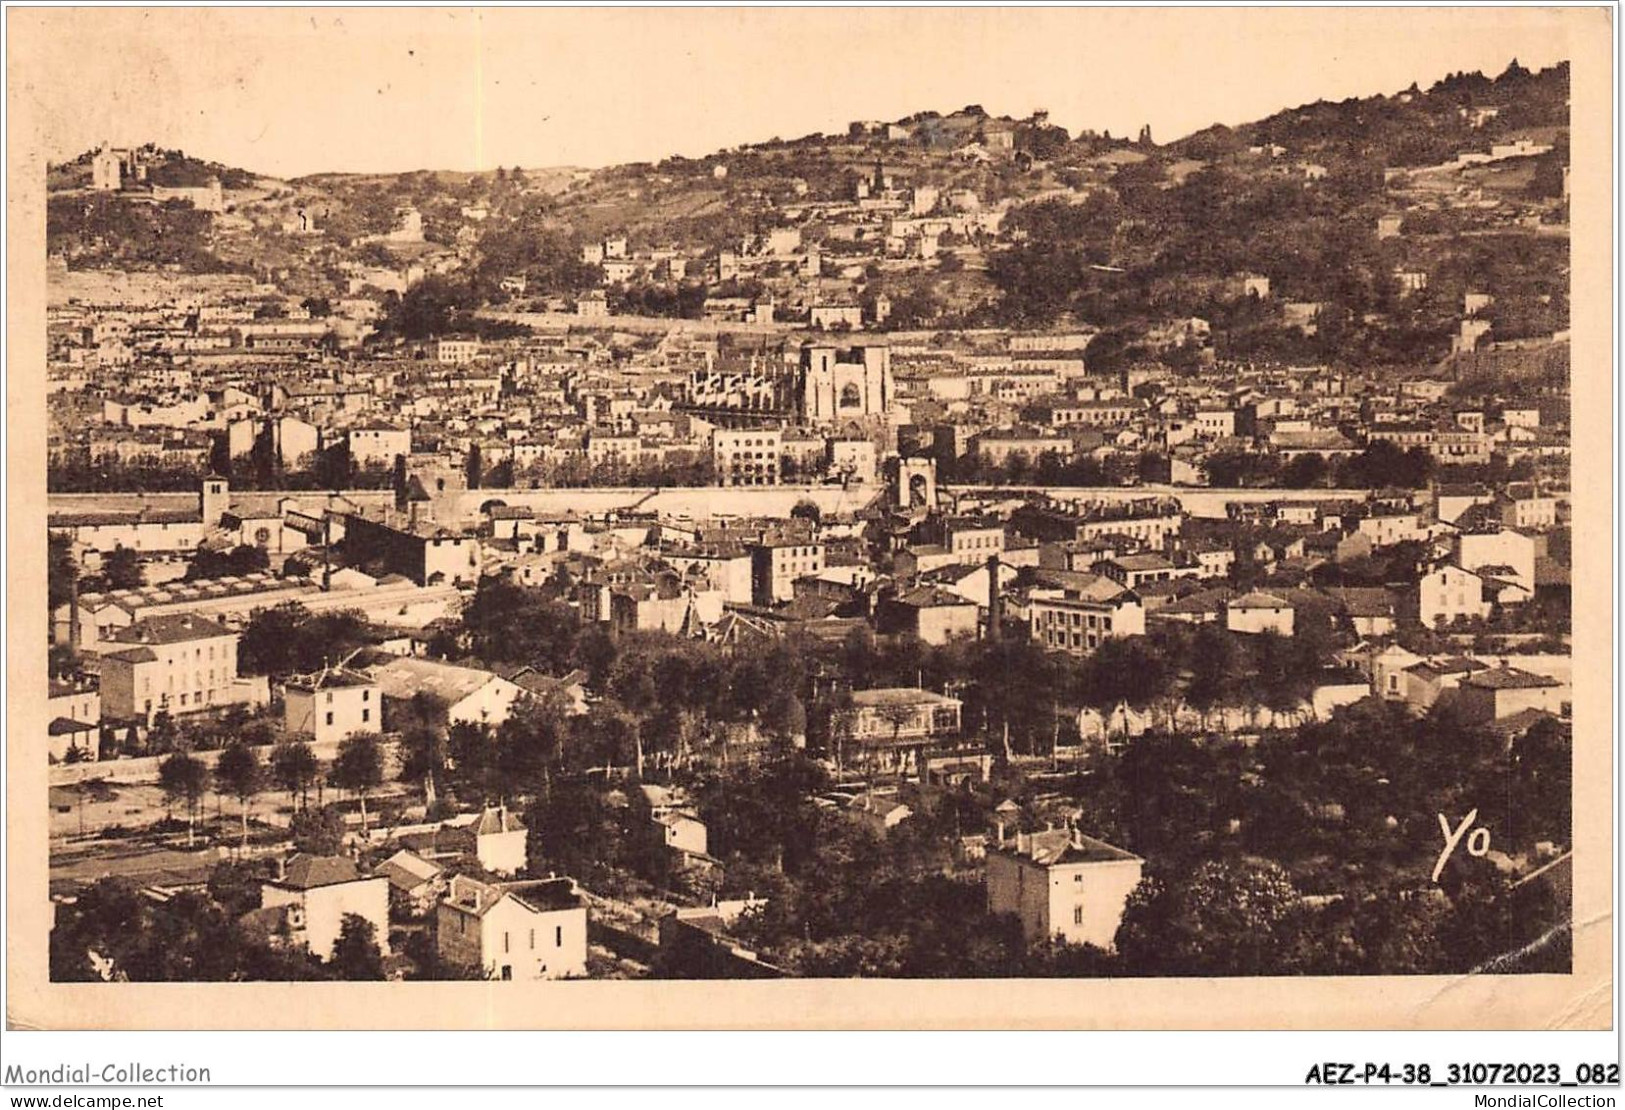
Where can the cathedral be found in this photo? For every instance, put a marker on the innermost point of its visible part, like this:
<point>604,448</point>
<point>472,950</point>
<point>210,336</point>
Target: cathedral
<point>827,384</point>
<point>845,383</point>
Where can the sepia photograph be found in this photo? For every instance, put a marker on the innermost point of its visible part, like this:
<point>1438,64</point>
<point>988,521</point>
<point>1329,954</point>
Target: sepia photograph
<point>537,499</point>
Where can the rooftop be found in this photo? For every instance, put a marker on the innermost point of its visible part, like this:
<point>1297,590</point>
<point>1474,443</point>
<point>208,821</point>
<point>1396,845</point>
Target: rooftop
<point>1508,678</point>
<point>401,677</point>
<point>174,629</point>
<point>1059,847</point>
<point>899,695</point>
<point>303,872</point>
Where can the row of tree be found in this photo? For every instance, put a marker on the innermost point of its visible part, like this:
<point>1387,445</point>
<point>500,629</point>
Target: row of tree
<point>242,773</point>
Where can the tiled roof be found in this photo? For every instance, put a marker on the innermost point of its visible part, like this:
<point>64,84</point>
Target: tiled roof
<point>1508,678</point>
<point>403,677</point>
<point>406,870</point>
<point>1063,846</point>
<point>171,629</point>
<point>66,726</point>
<point>308,872</point>
<point>497,820</point>
<point>1258,599</point>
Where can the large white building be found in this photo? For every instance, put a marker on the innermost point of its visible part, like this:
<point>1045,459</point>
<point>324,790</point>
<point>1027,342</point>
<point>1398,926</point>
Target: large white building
<point>1078,619</point>
<point>747,456</point>
<point>180,664</point>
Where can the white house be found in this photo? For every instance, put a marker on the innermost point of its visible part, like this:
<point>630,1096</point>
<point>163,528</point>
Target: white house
<point>526,930</point>
<point>323,890</point>
<point>1502,549</point>
<point>378,443</point>
<point>332,704</point>
<point>1257,612</point>
<point>471,695</point>
<point>1449,592</point>
<point>1062,884</point>
<point>75,711</point>
<point>499,841</point>
<point>682,832</point>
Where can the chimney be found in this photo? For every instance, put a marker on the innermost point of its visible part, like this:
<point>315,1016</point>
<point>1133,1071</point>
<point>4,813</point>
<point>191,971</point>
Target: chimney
<point>995,599</point>
<point>73,609</point>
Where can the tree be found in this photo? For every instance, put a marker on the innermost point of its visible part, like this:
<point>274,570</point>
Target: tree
<point>473,466</point>
<point>240,773</point>
<point>509,623</point>
<point>235,886</point>
<point>1217,670</point>
<point>359,767</point>
<point>355,952</point>
<point>1542,770</point>
<point>240,560</point>
<point>1304,471</point>
<point>289,639</point>
<point>422,724</point>
<point>1127,670</point>
<point>294,768</point>
<point>428,308</point>
<point>531,745</point>
<point>60,571</point>
<point>184,778</point>
<point>1224,918</point>
<point>398,481</point>
<point>63,661</point>
<point>806,509</point>
<point>318,832</point>
<point>785,717</point>
<point>123,569</point>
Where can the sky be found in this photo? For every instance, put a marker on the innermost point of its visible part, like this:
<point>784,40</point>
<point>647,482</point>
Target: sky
<point>295,91</point>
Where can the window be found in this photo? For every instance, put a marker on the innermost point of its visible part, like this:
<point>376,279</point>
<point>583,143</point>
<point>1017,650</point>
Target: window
<point>504,942</point>
<point>366,695</point>
<point>366,715</point>
<point>330,697</point>
<point>329,715</point>
<point>558,936</point>
<point>507,971</point>
<point>533,939</point>
<point>1077,915</point>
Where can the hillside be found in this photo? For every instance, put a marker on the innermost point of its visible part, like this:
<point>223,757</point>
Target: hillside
<point>1465,111</point>
<point>1370,219</point>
